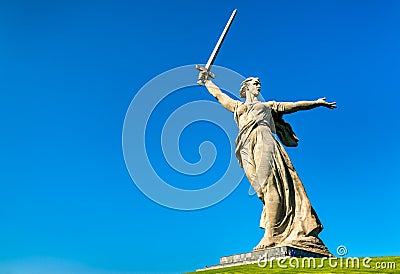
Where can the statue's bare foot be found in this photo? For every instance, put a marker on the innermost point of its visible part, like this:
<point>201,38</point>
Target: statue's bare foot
<point>264,243</point>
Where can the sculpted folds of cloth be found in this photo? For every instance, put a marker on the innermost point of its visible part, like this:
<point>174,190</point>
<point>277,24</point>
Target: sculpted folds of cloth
<point>287,216</point>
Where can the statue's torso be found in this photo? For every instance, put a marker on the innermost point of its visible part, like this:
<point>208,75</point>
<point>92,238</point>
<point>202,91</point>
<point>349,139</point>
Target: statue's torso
<point>258,112</point>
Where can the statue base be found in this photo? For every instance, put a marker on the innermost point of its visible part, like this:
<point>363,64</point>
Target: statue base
<point>268,254</point>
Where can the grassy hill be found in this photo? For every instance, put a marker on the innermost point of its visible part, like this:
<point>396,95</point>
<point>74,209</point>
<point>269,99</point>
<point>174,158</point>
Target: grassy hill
<point>338,265</point>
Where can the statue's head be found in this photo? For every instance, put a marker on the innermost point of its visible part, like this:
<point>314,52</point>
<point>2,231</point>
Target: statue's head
<point>252,85</point>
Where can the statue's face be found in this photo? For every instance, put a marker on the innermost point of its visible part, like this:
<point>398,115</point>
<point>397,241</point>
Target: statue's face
<point>254,87</point>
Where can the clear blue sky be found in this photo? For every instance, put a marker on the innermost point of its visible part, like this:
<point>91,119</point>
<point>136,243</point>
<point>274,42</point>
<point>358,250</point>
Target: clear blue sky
<point>69,70</point>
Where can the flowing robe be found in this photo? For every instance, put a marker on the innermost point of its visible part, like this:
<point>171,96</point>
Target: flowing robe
<point>272,175</point>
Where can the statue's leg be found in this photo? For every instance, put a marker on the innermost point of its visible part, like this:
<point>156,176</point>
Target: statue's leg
<point>249,167</point>
<point>263,155</point>
<point>271,212</point>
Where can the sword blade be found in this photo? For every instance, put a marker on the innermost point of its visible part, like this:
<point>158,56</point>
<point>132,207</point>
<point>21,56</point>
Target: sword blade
<point>214,53</point>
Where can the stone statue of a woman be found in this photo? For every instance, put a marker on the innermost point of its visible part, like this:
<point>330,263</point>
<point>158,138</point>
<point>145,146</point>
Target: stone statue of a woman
<point>287,216</point>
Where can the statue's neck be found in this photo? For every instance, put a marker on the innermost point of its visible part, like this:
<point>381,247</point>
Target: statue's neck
<point>251,99</point>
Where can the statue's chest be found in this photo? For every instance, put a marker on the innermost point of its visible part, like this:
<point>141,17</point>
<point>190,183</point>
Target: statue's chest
<point>252,112</point>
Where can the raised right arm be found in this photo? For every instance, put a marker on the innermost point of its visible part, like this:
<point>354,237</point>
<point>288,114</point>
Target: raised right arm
<point>226,101</point>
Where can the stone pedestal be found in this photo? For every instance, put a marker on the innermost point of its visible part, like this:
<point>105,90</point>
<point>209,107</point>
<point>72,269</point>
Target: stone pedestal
<point>264,255</point>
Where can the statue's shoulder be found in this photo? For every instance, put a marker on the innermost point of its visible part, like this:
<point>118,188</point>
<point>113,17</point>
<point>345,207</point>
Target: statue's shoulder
<point>238,104</point>
<point>276,106</point>
<point>273,105</point>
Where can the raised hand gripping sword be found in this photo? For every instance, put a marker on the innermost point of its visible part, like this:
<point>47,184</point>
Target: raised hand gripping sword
<point>205,71</point>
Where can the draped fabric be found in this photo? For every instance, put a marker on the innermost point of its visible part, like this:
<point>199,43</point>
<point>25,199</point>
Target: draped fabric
<point>272,175</point>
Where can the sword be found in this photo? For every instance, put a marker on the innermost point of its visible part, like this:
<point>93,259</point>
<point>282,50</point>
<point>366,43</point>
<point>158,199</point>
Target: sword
<point>206,69</point>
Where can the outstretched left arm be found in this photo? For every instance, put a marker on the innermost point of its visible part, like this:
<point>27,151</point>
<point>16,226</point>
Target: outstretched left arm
<point>290,107</point>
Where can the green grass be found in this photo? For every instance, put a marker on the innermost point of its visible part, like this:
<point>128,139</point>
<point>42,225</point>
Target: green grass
<point>391,265</point>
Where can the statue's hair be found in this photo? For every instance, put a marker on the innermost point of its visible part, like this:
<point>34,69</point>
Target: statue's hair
<point>244,85</point>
